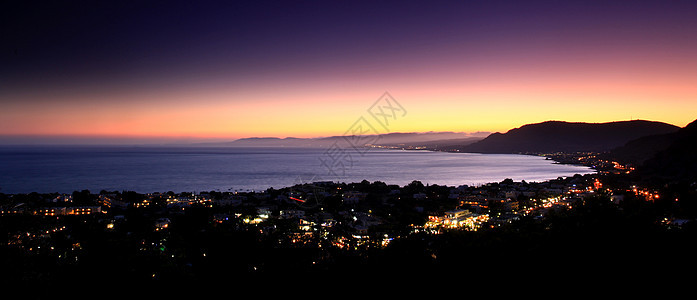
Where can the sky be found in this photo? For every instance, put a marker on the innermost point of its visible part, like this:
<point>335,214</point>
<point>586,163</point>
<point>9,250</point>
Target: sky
<point>195,70</point>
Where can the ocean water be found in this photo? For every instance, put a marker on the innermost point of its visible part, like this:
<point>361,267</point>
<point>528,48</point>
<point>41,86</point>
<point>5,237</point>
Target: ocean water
<point>63,169</point>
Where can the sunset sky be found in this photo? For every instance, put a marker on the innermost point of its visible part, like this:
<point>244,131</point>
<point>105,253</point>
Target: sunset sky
<point>197,69</point>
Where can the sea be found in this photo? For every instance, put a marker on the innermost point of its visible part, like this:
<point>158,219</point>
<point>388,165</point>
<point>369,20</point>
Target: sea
<point>148,169</point>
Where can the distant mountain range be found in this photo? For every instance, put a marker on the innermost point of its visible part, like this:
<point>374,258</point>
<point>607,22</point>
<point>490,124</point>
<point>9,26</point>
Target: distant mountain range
<point>558,136</point>
<point>409,139</point>
<point>660,150</point>
<point>545,137</point>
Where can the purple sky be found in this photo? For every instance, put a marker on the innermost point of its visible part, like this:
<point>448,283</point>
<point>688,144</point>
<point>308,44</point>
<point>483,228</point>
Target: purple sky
<point>167,59</point>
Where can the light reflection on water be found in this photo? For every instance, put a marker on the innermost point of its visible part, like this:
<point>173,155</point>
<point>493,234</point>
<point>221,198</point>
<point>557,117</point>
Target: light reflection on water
<point>159,169</point>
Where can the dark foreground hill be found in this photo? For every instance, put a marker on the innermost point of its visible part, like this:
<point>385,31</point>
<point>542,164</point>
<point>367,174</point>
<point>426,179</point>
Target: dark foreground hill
<point>637,151</point>
<point>558,136</point>
<point>675,159</point>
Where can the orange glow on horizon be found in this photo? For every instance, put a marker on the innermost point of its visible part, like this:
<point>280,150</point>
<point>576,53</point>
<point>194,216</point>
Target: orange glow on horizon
<point>292,71</point>
<point>437,98</point>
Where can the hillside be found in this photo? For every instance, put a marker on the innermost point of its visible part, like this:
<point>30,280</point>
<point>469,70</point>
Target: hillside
<point>558,136</point>
<point>677,161</point>
<point>637,151</point>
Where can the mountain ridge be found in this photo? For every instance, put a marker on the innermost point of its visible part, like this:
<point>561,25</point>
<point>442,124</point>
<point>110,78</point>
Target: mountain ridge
<point>386,139</point>
<point>672,158</point>
<point>561,136</point>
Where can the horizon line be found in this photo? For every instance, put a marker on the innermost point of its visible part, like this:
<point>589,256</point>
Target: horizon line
<point>133,139</point>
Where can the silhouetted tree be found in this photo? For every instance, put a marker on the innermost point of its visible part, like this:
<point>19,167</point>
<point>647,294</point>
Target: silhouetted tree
<point>82,198</point>
<point>414,187</point>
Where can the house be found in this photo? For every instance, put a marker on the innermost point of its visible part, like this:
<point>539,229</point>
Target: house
<point>162,223</point>
<point>263,212</point>
<point>292,214</point>
<point>456,215</point>
<point>511,194</point>
<point>353,197</point>
<point>112,200</point>
<point>63,198</point>
<point>83,210</point>
<point>230,200</point>
<point>510,205</point>
<point>69,210</point>
<point>420,196</point>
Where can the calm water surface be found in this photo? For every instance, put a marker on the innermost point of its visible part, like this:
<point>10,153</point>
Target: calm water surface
<point>65,169</point>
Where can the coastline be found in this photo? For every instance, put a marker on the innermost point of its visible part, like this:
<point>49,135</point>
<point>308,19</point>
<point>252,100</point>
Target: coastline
<point>315,227</point>
<point>572,158</point>
<point>162,184</point>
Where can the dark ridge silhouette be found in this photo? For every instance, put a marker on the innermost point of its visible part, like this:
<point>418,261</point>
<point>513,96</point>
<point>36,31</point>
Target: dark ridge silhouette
<point>559,136</point>
<point>637,151</point>
<point>677,160</point>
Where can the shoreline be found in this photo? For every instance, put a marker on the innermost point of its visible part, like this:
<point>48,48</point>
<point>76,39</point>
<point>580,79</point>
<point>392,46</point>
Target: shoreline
<point>548,156</point>
<point>591,170</point>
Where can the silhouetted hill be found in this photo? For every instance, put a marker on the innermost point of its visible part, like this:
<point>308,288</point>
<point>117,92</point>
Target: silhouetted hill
<point>637,151</point>
<point>677,161</point>
<point>558,136</point>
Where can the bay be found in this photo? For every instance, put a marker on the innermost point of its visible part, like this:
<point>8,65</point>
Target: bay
<point>145,169</point>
